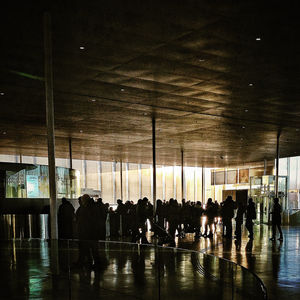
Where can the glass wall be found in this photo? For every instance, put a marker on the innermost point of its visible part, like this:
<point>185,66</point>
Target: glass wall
<point>33,182</point>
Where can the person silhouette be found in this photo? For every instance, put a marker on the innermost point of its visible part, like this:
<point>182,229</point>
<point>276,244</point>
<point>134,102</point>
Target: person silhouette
<point>276,220</point>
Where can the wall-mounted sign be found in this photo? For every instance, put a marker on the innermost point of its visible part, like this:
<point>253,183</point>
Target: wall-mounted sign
<point>32,186</point>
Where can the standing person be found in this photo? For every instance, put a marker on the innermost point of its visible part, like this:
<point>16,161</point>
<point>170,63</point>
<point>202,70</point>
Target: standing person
<point>210,213</point>
<point>88,231</point>
<point>227,215</point>
<point>241,209</point>
<point>65,219</point>
<point>250,215</point>
<point>172,217</point>
<point>276,220</point>
<point>102,215</point>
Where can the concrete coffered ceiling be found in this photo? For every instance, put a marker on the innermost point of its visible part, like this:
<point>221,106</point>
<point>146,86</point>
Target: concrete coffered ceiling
<point>221,78</point>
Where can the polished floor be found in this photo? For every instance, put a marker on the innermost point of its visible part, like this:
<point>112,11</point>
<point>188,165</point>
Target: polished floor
<point>276,263</point>
<point>37,269</point>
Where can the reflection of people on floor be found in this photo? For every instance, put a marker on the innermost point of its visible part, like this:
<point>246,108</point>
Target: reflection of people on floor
<point>276,220</point>
<point>138,267</point>
<point>276,259</point>
<point>249,256</point>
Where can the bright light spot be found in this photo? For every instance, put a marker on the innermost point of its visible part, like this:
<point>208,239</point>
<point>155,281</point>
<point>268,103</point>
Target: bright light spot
<point>258,39</point>
<point>93,100</point>
<point>4,132</point>
<point>250,84</point>
<point>201,59</point>
<point>2,94</point>
<point>246,110</point>
<point>122,90</point>
<point>243,127</point>
<point>81,131</point>
<point>81,48</point>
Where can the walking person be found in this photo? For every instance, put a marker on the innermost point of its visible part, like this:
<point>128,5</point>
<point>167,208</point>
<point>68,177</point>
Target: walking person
<point>250,215</point>
<point>276,220</point>
<point>241,209</point>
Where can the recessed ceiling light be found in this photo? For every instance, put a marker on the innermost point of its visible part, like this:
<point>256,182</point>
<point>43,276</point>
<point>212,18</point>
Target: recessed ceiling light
<point>122,90</point>
<point>4,132</point>
<point>246,110</point>
<point>250,84</point>
<point>241,139</point>
<point>81,131</point>
<point>145,114</point>
<point>243,127</point>
<point>201,59</point>
<point>81,48</point>
<point>2,94</point>
<point>258,39</point>
<point>93,100</point>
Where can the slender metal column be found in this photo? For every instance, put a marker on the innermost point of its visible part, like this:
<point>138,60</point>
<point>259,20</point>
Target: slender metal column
<point>84,174</point>
<point>265,167</point>
<point>50,123</point>
<point>127,181</point>
<point>277,164</point>
<point>203,185</point>
<point>121,179</point>
<point>70,167</point>
<point>100,177</point>
<point>140,180</point>
<point>174,182</point>
<point>20,158</point>
<point>164,182</point>
<point>182,177</point>
<point>154,163</point>
<point>195,184</point>
<point>113,165</point>
<point>70,153</point>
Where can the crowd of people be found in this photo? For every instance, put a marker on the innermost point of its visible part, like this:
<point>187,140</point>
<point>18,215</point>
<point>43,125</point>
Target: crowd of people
<point>95,220</point>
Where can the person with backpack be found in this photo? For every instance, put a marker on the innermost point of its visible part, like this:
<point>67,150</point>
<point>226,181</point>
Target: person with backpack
<point>250,215</point>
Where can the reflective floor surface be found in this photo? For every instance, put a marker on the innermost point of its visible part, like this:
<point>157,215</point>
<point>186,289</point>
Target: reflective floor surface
<point>37,269</point>
<point>276,263</point>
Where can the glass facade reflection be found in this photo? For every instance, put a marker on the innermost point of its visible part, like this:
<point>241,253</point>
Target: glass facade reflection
<point>33,182</point>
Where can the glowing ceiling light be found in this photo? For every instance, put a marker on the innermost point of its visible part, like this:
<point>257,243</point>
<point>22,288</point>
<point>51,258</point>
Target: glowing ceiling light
<point>122,90</point>
<point>2,94</point>
<point>81,48</point>
<point>250,84</point>
<point>258,39</point>
<point>246,110</point>
<point>81,131</point>
<point>93,100</point>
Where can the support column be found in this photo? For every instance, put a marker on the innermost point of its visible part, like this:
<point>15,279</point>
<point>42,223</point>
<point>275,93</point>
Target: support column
<point>113,166</point>
<point>195,184</point>
<point>70,168</point>
<point>154,163</point>
<point>183,189</point>
<point>20,158</point>
<point>70,153</point>
<point>265,167</point>
<point>121,179</point>
<point>203,185</point>
<point>164,182</point>
<point>100,177</point>
<point>50,123</point>
<point>140,180</point>
<point>277,164</point>
<point>174,182</point>
<point>127,181</point>
<point>84,174</point>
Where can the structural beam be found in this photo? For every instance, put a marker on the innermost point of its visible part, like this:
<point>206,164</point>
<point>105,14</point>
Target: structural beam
<point>277,164</point>
<point>50,123</point>
<point>154,164</point>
